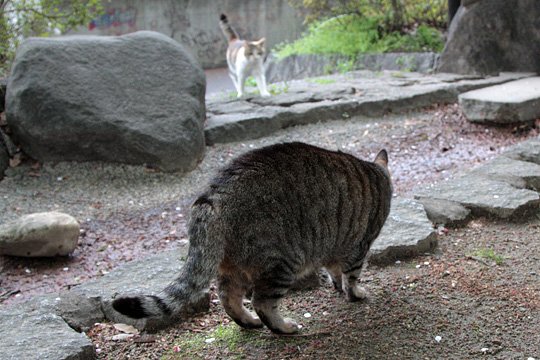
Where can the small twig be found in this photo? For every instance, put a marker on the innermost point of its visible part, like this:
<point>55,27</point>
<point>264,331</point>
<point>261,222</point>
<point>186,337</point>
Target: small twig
<point>7,294</point>
<point>479,259</point>
<point>315,334</point>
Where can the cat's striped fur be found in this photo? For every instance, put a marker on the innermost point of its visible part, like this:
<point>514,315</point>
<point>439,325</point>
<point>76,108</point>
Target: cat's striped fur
<point>244,58</point>
<point>270,217</point>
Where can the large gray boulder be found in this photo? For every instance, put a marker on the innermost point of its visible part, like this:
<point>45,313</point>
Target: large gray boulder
<point>489,36</point>
<point>39,235</point>
<point>4,157</point>
<point>137,98</point>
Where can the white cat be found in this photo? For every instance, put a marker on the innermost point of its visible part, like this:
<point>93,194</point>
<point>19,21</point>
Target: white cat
<point>244,58</point>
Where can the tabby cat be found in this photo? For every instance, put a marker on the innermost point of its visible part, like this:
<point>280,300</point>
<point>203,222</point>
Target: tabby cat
<point>270,217</point>
<point>244,58</point>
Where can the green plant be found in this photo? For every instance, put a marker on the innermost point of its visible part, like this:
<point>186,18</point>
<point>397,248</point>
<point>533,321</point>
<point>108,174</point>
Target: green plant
<point>22,18</point>
<point>352,35</point>
<point>394,14</point>
<point>250,81</point>
<point>276,89</point>
<point>322,81</point>
<point>489,254</point>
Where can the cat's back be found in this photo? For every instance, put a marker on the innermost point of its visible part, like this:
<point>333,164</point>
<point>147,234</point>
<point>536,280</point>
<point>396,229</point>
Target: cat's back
<point>296,168</point>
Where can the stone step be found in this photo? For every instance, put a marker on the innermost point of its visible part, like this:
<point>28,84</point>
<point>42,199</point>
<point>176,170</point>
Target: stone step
<point>511,102</point>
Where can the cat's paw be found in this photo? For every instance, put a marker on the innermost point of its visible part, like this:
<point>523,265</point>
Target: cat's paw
<point>357,293</point>
<point>289,327</point>
<point>266,94</point>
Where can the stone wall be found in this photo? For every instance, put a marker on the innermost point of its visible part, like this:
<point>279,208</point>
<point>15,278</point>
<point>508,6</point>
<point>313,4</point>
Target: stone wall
<point>195,23</point>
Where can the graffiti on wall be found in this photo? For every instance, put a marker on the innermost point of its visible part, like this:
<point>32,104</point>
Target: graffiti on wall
<point>115,18</point>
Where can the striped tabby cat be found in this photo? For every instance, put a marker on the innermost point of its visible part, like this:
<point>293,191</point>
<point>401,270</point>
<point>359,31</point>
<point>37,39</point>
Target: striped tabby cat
<point>244,58</point>
<point>272,216</point>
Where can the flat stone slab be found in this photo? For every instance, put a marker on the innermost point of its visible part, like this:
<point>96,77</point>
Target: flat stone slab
<point>520,174</point>
<point>526,151</point>
<point>512,102</point>
<point>148,276</point>
<point>506,187</point>
<point>35,334</point>
<point>483,196</point>
<point>407,232</point>
<point>335,97</point>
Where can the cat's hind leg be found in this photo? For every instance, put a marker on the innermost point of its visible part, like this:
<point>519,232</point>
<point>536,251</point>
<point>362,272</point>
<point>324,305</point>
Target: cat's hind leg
<point>335,275</point>
<point>268,291</point>
<point>231,295</point>
<point>352,289</point>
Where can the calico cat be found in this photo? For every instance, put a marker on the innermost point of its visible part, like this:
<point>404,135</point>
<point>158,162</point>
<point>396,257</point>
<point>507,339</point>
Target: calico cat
<point>244,58</point>
<point>270,217</point>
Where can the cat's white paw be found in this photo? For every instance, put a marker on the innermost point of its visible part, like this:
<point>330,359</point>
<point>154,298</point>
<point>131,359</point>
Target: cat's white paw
<point>265,94</point>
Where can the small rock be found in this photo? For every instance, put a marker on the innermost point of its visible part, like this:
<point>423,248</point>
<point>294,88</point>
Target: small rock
<point>39,234</point>
<point>122,337</point>
<point>438,338</point>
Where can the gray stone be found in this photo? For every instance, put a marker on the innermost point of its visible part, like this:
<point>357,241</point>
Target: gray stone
<point>445,212</point>
<point>36,334</point>
<point>79,312</point>
<point>515,101</point>
<point>304,66</point>
<point>3,87</point>
<point>4,158</point>
<point>520,174</point>
<point>39,235</point>
<point>484,196</point>
<point>490,36</point>
<point>137,98</point>
<point>407,232</point>
<point>149,276</point>
<point>526,151</point>
<point>361,93</point>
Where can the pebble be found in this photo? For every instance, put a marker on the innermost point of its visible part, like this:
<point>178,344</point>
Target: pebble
<point>438,338</point>
<point>307,315</point>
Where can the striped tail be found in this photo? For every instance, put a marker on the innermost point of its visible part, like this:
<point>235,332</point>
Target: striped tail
<point>227,29</point>
<point>188,293</point>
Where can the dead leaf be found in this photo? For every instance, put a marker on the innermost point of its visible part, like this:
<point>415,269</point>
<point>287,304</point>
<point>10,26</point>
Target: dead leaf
<point>15,161</point>
<point>128,329</point>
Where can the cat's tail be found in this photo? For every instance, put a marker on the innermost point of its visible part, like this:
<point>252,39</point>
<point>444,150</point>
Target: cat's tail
<point>227,29</point>
<point>188,293</point>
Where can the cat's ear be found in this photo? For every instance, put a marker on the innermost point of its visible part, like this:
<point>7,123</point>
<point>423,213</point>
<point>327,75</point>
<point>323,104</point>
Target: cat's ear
<point>382,158</point>
<point>260,42</point>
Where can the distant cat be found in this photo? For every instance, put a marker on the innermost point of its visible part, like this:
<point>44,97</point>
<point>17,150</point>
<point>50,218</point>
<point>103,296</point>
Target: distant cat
<point>244,58</point>
<point>270,217</point>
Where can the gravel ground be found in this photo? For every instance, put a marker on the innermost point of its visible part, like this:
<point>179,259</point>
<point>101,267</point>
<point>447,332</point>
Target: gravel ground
<point>478,297</point>
<point>127,212</point>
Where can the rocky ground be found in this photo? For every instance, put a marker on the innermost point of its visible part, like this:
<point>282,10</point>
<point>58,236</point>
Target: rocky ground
<point>476,307</point>
<point>478,296</point>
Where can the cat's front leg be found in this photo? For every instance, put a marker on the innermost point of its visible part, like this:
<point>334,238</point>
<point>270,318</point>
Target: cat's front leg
<point>261,84</point>
<point>241,83</point>
<point>235,82</point>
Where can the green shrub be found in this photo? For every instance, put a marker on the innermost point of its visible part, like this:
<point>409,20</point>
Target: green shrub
<point>352,35</point>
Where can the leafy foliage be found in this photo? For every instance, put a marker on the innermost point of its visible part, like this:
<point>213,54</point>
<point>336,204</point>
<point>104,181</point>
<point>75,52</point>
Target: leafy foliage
<point>352,35</point>
<point>23,18</point>
<point>394,14</point>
